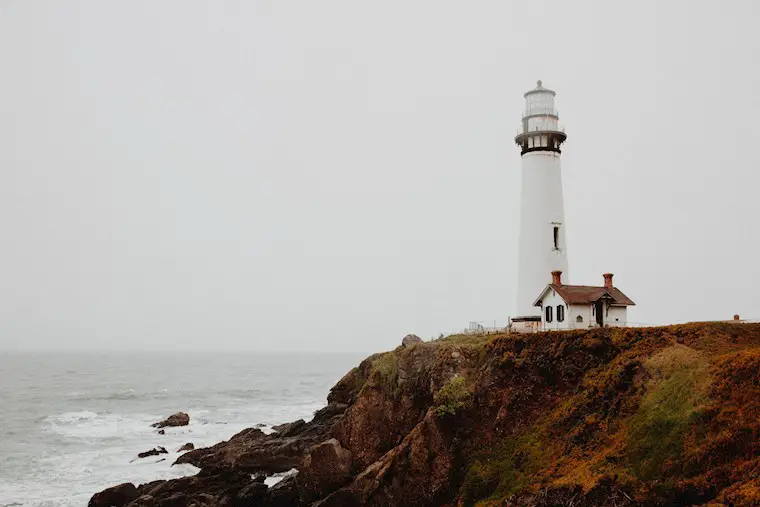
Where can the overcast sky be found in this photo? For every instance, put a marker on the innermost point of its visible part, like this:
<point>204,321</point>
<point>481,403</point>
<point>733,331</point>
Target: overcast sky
<point>331,175</point>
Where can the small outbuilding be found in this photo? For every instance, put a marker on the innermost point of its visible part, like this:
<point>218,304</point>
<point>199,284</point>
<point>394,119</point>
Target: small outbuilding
<point>582,306</point>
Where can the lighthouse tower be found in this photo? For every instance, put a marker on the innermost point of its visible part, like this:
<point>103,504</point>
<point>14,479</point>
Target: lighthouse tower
<point>542,217</point>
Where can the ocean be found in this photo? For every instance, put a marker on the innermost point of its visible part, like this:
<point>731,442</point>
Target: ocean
<point>71,424</point>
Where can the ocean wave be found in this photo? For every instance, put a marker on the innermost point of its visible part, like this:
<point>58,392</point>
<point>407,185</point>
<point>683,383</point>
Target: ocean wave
<point>125,394</point>
<point>252,393</point>
<point>74,417</point>
<point>275,478</point>
<point>88,424</point>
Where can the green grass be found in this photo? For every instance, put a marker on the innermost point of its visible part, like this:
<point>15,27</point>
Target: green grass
<point>452,397</point>
<point>474,340</point>
<point>656,431</point>
<point>505,469</point>
<point>385,368</point>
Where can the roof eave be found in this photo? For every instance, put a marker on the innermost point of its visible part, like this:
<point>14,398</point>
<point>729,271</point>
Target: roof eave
<point>541,296</point>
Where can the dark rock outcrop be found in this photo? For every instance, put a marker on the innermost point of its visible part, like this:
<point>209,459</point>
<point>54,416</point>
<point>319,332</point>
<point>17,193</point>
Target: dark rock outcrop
<point>178,419</point>
<point>153,452</point>
<point>255,452</point>
<point>117,496</point>
<point>187,447</point>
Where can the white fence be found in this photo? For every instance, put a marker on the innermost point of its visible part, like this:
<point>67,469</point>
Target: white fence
<point>494,327</point>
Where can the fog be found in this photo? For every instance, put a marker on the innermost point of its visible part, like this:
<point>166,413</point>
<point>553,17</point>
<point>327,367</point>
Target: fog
<point>329,176</point>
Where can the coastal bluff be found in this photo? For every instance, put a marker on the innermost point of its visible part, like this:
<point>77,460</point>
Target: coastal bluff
<point>603,417</point>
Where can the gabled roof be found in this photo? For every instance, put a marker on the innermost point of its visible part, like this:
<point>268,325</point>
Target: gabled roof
<point>585,294</point>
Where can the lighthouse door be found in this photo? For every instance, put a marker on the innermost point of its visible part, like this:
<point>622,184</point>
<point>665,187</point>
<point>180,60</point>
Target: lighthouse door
<point>599,311</point>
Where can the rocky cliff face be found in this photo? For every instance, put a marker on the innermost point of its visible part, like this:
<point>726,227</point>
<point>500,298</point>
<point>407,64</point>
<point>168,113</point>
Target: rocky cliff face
<point>609,417</point>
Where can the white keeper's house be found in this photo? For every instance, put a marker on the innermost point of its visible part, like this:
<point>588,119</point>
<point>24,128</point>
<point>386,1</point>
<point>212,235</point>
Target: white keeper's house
<point>582,306</point>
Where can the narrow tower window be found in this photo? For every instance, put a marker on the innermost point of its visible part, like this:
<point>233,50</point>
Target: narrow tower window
<point>556,237</point>
<point>549,314</point>
<point>560,313</point>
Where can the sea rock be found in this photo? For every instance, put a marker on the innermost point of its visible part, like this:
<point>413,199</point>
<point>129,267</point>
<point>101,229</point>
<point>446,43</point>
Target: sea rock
<point>411,339</point>
<point>162,432</point>
<point>187,447</point>
<point>178,419</point>
<point>253,451</point>
<point>203,490</point>
<point>144,501</point>
<point>153,452</point>
<point>252,494</point>
<point>325,468</point>
<point>289,428</point>
<point>117,496</point>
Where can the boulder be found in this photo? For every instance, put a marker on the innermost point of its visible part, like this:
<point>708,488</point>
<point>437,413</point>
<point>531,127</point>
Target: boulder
<point>187,447</point>
<point>153,452</point>
<point>162,432</point>
<point>325,468</point>
<point>117,496</point>
<point>411,339</point>
<point>178,419</point>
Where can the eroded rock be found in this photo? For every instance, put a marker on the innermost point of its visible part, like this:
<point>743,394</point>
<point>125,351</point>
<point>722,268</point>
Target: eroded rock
<point>117,496</point>
<point>325,468</point>
<point>178,419</point>
<point>153,452</point>
<point>254,452</point>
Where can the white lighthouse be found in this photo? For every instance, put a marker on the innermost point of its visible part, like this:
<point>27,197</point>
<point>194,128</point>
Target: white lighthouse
<point>542,217</point>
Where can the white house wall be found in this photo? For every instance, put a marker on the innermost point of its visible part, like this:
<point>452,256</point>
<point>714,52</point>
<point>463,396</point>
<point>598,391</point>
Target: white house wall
<point>584,311</point>
<point>553,299</point>
<point>616,316</point>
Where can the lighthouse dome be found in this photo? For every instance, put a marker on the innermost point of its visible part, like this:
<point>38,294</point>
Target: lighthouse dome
<point>540,100</point>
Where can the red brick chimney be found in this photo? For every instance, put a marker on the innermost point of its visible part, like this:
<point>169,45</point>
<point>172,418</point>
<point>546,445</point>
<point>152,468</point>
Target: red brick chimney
<point>607,280</point>
<point>557,277</point>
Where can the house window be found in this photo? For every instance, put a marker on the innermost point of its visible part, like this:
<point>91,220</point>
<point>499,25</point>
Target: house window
<point>549,313</point>
<point>560,313</point>
<point>556,237</point>
<point>579,319</point>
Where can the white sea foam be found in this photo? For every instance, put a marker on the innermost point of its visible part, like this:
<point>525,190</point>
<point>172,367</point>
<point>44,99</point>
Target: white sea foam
<point>275,478</point>
<point>90,425</point>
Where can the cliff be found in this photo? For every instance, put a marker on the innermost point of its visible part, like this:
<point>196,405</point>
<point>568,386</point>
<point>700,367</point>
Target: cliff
<point>606,417</point>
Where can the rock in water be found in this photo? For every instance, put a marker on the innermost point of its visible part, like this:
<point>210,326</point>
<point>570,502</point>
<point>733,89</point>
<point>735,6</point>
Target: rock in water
<point>187,447</point>
<point>411,339</point>
<point>153,452</point>
<point>178,419</point>
<point>117,496</point>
